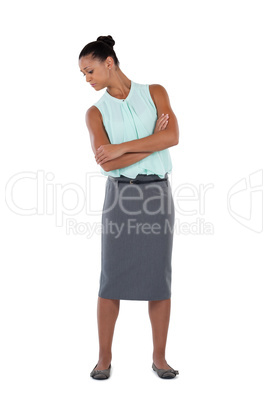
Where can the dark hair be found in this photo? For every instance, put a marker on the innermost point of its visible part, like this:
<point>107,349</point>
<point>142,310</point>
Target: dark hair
<point>100,49</point>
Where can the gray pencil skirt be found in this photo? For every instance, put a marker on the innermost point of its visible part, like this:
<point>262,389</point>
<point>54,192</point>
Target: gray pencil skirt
<point>137,238</point>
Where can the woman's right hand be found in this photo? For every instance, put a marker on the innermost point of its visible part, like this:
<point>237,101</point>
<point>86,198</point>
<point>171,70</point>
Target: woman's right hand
<point>161,123</point>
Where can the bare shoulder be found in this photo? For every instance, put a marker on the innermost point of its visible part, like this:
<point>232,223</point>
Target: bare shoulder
<point>158,92</point>
<point>93,113</point>
<point>160,98</point>
<point>157,89</point>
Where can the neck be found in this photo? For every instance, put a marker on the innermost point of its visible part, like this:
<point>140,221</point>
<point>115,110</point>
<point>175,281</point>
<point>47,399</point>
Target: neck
<point>119,84</point>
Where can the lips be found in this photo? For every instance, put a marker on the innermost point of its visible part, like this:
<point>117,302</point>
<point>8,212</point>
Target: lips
<point>92,85</point>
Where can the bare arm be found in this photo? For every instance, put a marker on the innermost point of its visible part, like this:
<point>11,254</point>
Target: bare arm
<point>162,139</point>
<point>124,160</point>
<point>98,136</point>
<point>153,143</point>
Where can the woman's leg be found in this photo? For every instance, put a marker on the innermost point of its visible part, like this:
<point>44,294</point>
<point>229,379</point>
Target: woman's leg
<point>107,313</point>
<point>159,312</point>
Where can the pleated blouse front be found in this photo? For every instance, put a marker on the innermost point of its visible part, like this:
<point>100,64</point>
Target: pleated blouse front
<point>129,119</point>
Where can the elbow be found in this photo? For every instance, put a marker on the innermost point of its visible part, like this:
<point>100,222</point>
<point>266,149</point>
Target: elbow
<point>174,137</point>
<point>175,141</point>
<point>105,166</point>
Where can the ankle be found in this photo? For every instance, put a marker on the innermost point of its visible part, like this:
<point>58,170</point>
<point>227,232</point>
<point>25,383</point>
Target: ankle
<point>105,357</point>
<point>159,356</point>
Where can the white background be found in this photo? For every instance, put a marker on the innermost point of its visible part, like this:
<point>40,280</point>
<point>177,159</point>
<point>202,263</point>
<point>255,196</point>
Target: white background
<point>211,57</point>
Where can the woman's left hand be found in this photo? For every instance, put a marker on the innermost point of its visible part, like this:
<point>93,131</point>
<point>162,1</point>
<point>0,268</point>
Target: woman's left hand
<point>108,152</point>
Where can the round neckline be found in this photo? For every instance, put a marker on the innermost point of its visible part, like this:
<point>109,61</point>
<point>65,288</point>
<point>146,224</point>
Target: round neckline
<point>122,100</point>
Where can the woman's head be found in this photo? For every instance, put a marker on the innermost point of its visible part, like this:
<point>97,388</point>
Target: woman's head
<point>97,59</point>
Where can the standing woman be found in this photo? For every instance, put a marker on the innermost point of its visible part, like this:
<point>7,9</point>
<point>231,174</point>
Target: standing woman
<point>131,128</point>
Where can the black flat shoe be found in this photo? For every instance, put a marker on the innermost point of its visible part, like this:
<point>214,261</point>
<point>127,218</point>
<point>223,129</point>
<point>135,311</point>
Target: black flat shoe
<point>100,374</point>
<point>163,373</point>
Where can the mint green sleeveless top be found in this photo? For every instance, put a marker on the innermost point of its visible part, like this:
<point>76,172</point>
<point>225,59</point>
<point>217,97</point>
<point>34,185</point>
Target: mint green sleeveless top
<point>130,119</point>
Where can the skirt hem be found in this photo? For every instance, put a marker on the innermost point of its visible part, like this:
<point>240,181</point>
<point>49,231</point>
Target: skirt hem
<point>135,299</point>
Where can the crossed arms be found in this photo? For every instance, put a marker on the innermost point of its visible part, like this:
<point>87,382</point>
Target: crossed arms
<point>116,156</point>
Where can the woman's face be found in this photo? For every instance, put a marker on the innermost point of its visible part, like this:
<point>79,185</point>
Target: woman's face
<point>95,72</point>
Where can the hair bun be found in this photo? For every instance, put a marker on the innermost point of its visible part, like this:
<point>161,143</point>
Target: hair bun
<point>107,39</point>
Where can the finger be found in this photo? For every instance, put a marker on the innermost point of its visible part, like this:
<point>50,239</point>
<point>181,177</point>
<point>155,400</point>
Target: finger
<point>163,126</point>
<point>162,121</point>
<point>164,116</point>
<point>165,122</point>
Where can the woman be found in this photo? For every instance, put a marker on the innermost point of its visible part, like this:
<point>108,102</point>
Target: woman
<point>138,210</point>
